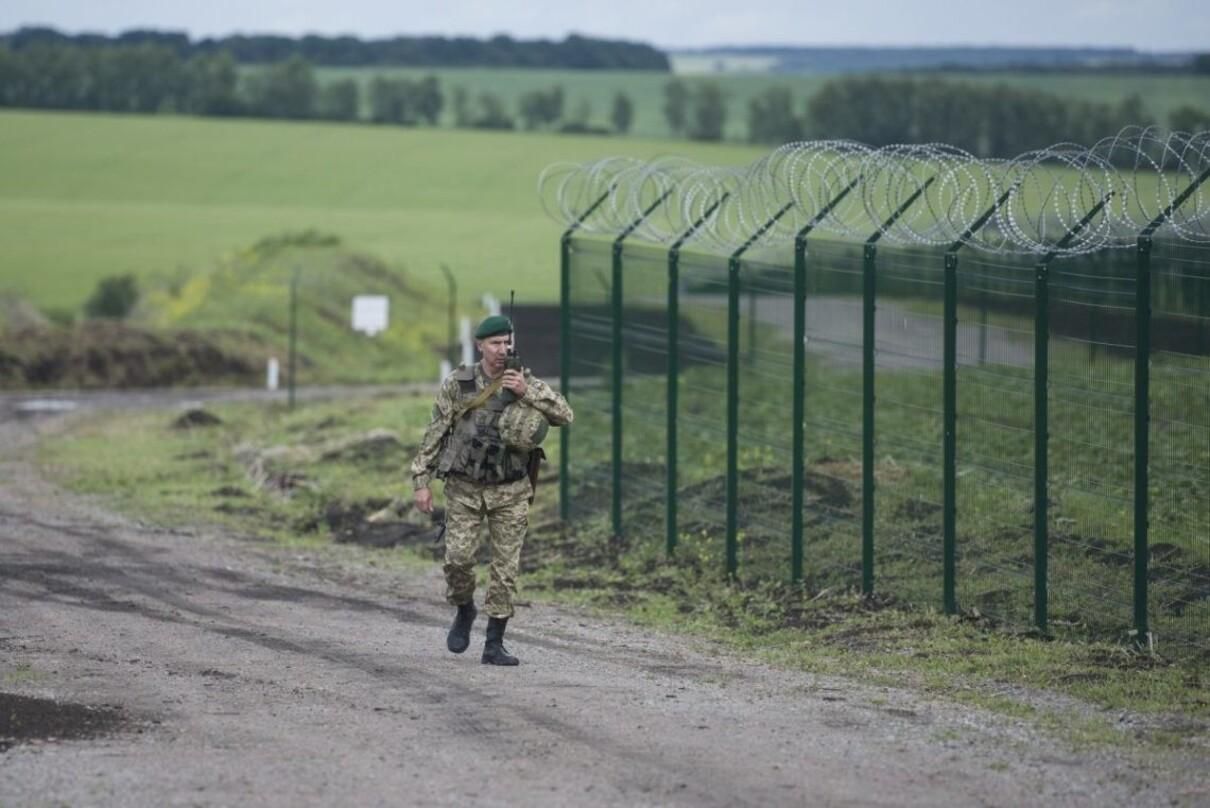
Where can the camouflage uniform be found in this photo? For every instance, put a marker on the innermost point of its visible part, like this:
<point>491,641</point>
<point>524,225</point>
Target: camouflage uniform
<point>505,504</point>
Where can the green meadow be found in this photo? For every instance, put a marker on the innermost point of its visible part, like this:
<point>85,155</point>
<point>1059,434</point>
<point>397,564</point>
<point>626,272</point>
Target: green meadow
<point>596,89</point>
<point>84,196</point>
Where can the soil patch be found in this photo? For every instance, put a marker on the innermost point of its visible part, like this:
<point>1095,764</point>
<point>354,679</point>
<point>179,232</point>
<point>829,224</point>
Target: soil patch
<point>196,417</point>
<point>24,719</point>
<point>349,524</point>
<point>106,354</point>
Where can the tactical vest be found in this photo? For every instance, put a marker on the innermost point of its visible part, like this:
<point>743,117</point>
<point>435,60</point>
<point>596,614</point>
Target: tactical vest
<point>473,448</point>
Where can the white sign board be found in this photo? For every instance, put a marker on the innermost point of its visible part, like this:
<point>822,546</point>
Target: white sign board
<point>371,313</point>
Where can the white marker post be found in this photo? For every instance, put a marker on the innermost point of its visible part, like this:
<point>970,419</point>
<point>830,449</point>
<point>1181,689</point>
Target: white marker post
<point>371,314</point>
<point>272,373</point>
<point>468,347</point>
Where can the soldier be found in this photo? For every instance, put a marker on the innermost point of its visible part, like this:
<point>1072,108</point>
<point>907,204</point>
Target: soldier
<point>483,439</point>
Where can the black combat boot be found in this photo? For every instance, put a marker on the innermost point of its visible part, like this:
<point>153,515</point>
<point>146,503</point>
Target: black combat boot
<point>459,638</point>
<point>494,652</point>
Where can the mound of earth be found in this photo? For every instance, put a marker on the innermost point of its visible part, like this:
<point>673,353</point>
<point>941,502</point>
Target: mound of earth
<point>104,354</point>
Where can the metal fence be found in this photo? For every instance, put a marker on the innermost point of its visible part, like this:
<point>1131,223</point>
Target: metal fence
<point>992,398</point>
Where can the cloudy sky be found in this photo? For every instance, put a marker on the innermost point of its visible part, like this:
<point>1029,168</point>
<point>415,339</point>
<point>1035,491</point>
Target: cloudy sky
<point>1156,25</point>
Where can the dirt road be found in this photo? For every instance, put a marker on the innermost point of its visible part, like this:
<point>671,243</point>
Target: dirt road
<point>214,670</point>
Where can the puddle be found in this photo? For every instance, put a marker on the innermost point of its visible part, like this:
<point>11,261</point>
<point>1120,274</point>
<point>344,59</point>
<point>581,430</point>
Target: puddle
<point>24,719</point>
<point>44,406</point>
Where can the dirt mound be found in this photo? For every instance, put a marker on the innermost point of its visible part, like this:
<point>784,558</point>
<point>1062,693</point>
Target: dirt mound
<point>377,444</point>
<point>196,417</point>
<point>276,469</point>
<point>379,523</point>
<point>101,354</point>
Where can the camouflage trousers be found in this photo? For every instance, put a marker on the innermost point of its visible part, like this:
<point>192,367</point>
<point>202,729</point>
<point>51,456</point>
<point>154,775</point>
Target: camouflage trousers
<point>506,508</point>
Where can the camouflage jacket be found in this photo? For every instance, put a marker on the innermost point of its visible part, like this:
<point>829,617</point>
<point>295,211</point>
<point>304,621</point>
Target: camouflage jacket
<point>538,394</point>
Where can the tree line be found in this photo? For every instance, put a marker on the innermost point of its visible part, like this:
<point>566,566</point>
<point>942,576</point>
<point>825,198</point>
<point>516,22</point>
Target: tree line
<point>988,121</point>
<point>574,51</point>
<point>149,77</point>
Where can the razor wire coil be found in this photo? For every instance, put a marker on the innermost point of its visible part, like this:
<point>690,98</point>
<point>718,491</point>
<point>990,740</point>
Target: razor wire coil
<point>930,194</point>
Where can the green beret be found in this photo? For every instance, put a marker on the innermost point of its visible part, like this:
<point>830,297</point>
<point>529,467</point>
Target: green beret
<point>493,325</point>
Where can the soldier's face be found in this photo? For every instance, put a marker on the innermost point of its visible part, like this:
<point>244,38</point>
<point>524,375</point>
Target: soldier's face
<point>494,350</point>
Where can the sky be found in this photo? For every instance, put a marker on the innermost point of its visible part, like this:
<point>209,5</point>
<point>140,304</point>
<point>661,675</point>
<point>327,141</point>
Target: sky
<point>1148,25</point>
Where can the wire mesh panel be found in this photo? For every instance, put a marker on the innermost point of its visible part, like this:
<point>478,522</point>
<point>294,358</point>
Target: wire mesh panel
<point>908,423</point>
<point>832,534</point>
<point>1091,490</point>
<point>589,343</point>
<point>702,414</point>
<point>766,352</point>
<point>1180,449</point>
<point>644,273</point>
<point>995,437</point>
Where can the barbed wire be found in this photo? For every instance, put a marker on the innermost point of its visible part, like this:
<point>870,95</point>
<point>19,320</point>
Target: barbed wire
<point>914,194</point>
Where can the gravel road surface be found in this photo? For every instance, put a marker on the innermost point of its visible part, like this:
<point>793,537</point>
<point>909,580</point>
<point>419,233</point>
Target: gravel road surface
<point>223,671</point>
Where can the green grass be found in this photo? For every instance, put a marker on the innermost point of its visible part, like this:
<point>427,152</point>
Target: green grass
<point>89,195</point>
<point>1160,94</point>
<point>186,477</point>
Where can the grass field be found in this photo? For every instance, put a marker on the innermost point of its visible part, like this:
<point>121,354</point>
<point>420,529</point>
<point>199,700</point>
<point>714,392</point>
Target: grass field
<point>1160,94</point>
<point>85,196</point>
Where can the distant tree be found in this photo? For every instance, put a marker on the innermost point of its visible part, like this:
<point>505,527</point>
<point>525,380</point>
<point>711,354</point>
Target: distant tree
<point>389,101</point>
<point>339,100</point>
<point>872,109</point>
<point>582,114</point>
<point>540,108</point>
<point>14,79</point>
<point>709,112</point>
<point>1131,111</point>
<point>428,100</point>
<point>491,113</point>
<point>136,78</point>
<point>1188,118</point>
<point>407,102</point>
<point>213,80</point>
<point>771,117</point>
<point>58,77</point>
<point>284,90</point>
<point>1201,63</point>
<point>947,112</point>
<point>114,297</point>
<point>462,107</point>
<point>622,113</point>
<point>676,106</point>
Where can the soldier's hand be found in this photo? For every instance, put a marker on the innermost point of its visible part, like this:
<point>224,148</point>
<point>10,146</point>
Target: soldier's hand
<point>515,380</point>
<point>424,500</point>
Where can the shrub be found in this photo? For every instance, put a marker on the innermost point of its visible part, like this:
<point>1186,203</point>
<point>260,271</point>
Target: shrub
<point>113,298</point>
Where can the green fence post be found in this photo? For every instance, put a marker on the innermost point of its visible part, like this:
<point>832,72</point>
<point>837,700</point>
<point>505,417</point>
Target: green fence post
<point>292,359</point>
<point>1042,414</point>
<point>618,354</point>
<point>1142,412</point>
<point>798,450</point>
<point>949,405</point>
<point>1142,446</point>
<point>949,462</point>
<point>616,388</point>
<point>1041,425</point>
<point>565,348</point>
<point>733,268</point>
<point>674,371</point>
<point>799,405</point>
<point>868,312</point>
